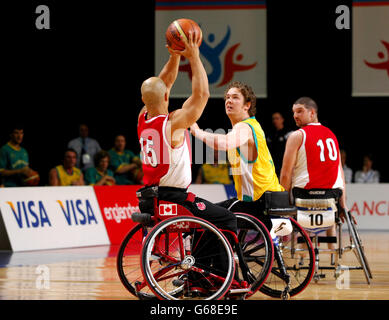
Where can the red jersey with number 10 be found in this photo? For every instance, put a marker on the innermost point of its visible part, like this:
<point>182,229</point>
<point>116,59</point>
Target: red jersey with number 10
<point>317,165</point>
<point>163,165</point>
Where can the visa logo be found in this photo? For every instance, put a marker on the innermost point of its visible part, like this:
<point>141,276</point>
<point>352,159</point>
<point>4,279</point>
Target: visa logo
<point>77,212</point>
<point>28,214</point>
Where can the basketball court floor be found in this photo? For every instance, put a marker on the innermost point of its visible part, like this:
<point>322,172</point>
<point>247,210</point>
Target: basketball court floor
<point>89,273</point>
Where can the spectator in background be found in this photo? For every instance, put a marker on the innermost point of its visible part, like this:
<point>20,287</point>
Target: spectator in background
<point>348,173</point>
<point>367,174</point>
<point>100,175</point>
<point>85,147</point>
<point>214,173</point>
<point>14,160</point>
<point>276,140</point>
<point>126,166</point>
<point>67,174</point>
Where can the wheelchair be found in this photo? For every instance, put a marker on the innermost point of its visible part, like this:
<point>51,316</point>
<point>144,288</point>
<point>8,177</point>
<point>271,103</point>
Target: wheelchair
<point>172,247</point>
<point>317,211</point>
<point>289,275</point>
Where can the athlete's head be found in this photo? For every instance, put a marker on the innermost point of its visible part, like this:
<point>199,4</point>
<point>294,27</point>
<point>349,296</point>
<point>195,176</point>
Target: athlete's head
<point>70,158</point>
<point>305,111</point>
<point>154,92</point>
<point>102,160</point>
<point>240,100</point>
<point>120,143</point>
<point>17,134</point>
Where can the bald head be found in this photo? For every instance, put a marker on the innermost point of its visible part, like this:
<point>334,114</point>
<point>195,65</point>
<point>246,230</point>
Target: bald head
<point>153,91</point>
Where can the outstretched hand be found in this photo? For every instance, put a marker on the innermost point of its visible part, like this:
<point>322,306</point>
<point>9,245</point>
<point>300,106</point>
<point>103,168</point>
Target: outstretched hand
<point>193,128</point>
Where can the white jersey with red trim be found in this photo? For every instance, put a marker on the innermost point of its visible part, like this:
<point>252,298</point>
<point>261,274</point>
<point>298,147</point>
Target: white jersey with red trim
<point>163,165</point>
<point>317,165</point>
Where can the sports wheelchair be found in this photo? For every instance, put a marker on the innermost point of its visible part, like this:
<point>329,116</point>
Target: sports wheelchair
<point>317,211</point>
<point>289,274</point>
<point>172,247</point>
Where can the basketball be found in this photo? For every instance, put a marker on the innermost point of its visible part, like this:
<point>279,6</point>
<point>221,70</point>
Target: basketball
<point>32,178</point>
<point>179,29</point>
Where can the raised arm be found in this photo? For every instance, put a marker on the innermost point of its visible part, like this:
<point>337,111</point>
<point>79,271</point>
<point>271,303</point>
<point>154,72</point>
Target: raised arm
<point>237,137</point>
<point>170,71</point>
<point>194,106</point>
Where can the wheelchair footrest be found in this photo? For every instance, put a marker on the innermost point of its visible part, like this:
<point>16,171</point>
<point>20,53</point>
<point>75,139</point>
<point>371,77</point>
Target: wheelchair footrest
<point>243,290</point>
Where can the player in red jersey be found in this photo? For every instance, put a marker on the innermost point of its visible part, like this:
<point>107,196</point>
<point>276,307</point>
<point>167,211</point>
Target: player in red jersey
<point>165,149</point>
<point>312,157</point>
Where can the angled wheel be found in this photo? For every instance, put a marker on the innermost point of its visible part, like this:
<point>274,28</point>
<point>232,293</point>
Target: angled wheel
<point>127,263</point>
<point>187,258</point>
<point>358,250</point>
<point>257,248</point>
<point>294,264</point>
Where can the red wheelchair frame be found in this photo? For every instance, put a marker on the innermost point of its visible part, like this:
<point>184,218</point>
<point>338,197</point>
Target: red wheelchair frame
<point>166,212</point>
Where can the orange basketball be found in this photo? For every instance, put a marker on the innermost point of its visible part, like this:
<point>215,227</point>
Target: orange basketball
<point>179,29</point>
<point>32,178</point>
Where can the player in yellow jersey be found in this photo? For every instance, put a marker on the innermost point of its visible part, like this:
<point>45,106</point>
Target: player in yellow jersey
<point>67,174</point>
<point>252,166</point>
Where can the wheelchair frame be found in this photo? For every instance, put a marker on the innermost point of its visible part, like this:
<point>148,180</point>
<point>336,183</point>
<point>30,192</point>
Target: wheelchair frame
<point>182,222</point>
<point>354,245</point>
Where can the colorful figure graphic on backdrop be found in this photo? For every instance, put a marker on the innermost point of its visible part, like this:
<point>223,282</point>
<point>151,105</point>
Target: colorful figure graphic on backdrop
<point>381,65</point>
<point>213,55</point>
<point>230,67</point>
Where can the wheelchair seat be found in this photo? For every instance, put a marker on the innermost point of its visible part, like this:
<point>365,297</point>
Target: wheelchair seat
<point>277,203</point>
<point>318,210</point>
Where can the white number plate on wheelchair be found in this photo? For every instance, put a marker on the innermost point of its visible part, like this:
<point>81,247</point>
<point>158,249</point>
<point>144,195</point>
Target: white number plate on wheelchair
<point>316,219</point>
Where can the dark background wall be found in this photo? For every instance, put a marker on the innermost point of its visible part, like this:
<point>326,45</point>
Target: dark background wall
<point>90,65</point>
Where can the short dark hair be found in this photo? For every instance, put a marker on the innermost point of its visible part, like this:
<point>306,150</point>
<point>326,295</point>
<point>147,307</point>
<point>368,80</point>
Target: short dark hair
<point>308,102</point>
<point>70,150</point>
<point>101,155</point>
<point>248,95</point>
<point>16,126</point>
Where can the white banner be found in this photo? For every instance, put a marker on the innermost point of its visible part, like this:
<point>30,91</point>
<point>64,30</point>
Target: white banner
<point>39,218</point>
<point>370,48</point>
<point>227,55</point>
<point>369,203</point>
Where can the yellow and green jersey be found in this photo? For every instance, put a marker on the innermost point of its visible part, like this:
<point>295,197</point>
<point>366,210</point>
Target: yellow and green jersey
<point>119,159</point>
<point>92,175</point>
<point>253,178</point>
<point>216,174</point>
<point>12,158</point>
<point>66,179</point>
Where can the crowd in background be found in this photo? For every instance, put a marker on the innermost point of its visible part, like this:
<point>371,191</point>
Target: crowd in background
<point>86,163</point>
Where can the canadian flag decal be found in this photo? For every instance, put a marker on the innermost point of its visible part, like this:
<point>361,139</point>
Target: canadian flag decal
<point>168,209</point>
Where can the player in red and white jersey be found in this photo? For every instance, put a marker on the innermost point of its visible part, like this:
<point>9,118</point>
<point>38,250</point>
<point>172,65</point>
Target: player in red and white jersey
<point>164,138</point>
<point>312,157</point>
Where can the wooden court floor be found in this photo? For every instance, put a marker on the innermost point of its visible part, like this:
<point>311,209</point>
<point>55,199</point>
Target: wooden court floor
<point>90,274</point>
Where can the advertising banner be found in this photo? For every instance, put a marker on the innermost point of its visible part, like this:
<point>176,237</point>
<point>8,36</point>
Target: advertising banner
<point>37,218</point>
<point>369,203</point>
<point>370,48</point>
<point>227,55</point>
<point>117,203</point>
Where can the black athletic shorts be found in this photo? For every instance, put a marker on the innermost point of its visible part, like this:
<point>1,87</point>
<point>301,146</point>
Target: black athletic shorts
<point>255,208</point>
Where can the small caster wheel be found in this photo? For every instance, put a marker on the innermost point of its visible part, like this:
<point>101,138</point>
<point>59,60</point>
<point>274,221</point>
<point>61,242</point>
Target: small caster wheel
<point>285,295</point>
